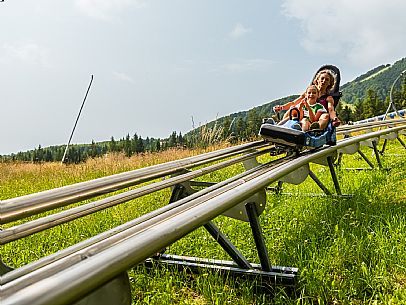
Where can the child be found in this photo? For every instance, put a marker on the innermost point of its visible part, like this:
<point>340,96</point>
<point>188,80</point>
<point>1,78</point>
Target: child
<point>310,111</point>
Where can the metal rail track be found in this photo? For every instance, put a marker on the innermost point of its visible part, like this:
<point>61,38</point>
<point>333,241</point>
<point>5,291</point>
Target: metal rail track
<point>24,206</point>
<point>66,276</point>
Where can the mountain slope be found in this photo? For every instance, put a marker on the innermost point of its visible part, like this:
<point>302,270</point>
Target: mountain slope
<point>379,79</point>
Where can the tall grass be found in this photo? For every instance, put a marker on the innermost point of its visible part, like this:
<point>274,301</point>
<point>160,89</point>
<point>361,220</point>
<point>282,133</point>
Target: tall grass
<point>348,250</point>
<point>206,136</point>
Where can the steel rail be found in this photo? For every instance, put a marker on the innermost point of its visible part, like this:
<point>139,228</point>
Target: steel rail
<point>74,282</point>
<point>24,206</point>
<point>368,125</point>
<point>46,222</point>
<point>136,226</point>
<point>106,239</point>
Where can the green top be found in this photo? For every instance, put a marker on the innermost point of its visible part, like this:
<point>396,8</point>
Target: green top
<point>315,107</point>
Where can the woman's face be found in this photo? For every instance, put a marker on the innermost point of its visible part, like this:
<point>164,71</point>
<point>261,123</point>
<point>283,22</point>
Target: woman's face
<point>323,81</point>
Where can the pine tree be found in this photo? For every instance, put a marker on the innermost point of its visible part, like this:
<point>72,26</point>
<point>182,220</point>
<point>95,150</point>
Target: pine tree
<point>112,145</point>
<point>128,151</point>
<point>346,114</point>
<point>140,146</point>
<point>226,128</point>
<point>253,123</point>
<point>240,128</point>
<point>359,110</point>
<point>179,139</point>
<point>172,139</point>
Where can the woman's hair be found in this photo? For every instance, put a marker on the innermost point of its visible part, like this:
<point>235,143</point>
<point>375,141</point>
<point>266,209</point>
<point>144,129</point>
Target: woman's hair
<point>331,75</point>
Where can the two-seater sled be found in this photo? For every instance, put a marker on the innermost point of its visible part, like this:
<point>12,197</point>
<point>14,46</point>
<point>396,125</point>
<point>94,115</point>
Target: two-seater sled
<point>288,135</point>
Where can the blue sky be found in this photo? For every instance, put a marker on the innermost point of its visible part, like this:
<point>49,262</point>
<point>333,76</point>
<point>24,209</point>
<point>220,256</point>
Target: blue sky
<point>157,64</point>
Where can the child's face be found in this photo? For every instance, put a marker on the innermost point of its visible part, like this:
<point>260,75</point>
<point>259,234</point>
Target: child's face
<point>311,93</point>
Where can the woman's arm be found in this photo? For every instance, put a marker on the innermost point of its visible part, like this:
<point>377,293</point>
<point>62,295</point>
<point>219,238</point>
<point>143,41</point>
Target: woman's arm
<point>288,105</point>
<point>331,112</point>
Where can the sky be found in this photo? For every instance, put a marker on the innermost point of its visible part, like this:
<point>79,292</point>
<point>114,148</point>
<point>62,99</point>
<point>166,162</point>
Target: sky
<point>161,66</point>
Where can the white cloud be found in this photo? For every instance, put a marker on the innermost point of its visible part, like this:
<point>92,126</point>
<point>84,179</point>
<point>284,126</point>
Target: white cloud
<point>24,52</point>
<point>364,32</point>
<point>244,65</point>
<point>106,9</point>
<point>239,30</point>
<point>124,77</point>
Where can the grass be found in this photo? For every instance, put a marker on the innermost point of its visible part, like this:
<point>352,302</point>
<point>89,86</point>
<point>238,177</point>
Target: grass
<point>348,250</point>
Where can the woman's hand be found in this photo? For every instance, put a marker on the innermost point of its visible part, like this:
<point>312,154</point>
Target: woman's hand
<point>336,122</point>
<point>277,108</point>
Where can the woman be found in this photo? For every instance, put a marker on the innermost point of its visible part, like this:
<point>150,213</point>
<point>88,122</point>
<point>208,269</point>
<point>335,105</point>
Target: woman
<point>324,82</point>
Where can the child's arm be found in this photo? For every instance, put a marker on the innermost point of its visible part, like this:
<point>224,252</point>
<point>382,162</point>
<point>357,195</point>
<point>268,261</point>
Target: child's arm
<point>313,117</point>
<point>318,115</point>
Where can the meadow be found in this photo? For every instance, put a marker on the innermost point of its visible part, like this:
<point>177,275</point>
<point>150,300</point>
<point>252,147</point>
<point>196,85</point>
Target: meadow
<point>349,250</point>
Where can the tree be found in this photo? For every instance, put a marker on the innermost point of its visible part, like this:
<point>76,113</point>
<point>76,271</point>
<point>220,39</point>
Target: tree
<point>240,128</point>
<point>402,102</point>
<point>226,128</point>
<point>93,150</point>
<point>346,114</point>
<point>128,150</point>
<point>359,110</point>
<point>112,145</point>
<point>180,139</point>
<point>139,148</point>
<point>253,123</point>
<point>372,105</point>
<point>172,139</point>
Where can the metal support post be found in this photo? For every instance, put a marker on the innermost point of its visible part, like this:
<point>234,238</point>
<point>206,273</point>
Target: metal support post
<point>401,142</point>
<point>340,155</point>
<point>278,188</point>
<point>258,236</point>
<point>365,158</point>
<point>392,104</point>
<point>226,244</point>
<point>319,183</point>
<point>378,159</point>
<point>333,175</point>
<point>383,146</point>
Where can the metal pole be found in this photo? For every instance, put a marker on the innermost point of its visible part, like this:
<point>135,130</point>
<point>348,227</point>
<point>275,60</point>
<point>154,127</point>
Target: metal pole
<point>391,104</point>
<point>365,158</point>
<point>319,183</point>
<point>401,142</point>
<point>383,146</point>
<point>378,159</point>
<point>258,236</point>
<point>76,122</point>
<point>333,175</point>
<point>226,244</point>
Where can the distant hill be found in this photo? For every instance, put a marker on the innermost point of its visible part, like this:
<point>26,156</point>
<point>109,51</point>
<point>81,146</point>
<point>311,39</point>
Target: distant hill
<point>379,79</point>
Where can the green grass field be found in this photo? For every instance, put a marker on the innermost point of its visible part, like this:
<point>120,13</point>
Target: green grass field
<point>348,250</point>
